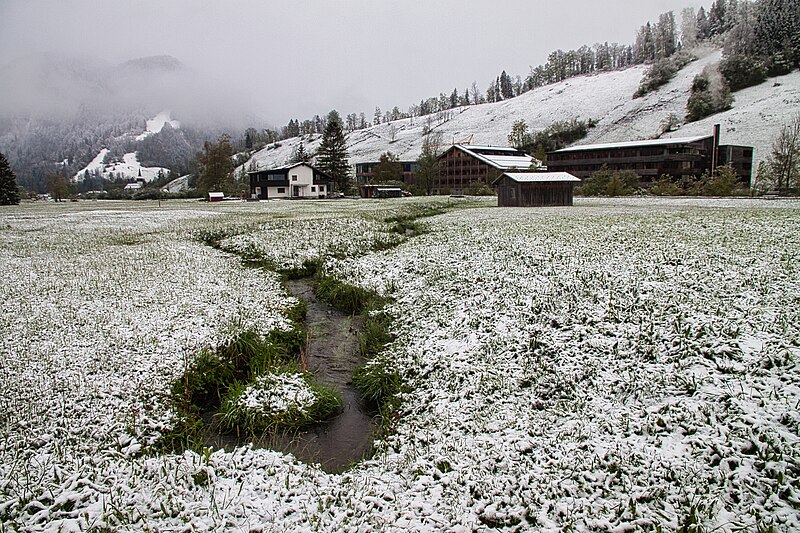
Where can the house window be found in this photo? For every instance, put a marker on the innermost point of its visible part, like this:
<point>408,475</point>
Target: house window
<point>313,189</point>
<point>294,177</point>
<point>281,190</point>
<point>321,188</point>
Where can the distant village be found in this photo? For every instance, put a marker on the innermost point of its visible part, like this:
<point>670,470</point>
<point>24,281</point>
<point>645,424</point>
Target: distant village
<point>520,179</point>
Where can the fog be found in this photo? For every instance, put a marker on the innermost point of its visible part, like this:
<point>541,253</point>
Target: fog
<point>290,59</point>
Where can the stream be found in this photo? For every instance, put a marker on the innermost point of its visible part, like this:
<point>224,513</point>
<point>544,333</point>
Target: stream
<point>332,356</point>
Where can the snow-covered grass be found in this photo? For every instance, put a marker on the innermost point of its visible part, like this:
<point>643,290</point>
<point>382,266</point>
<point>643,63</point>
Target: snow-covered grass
<point>620,364</point>
<point>283,397</point>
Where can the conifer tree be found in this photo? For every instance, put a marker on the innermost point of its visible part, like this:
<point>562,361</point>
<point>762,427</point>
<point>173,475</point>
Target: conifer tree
<point>300,155</point>
<point>332,158</point>
<point>9,192</point>
<point>388,169</point>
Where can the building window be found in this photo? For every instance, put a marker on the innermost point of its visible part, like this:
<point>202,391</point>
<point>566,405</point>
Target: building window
<point>313,189</point>
<point>321,188</point>
<point>281,190</point>
<point>294,177</point>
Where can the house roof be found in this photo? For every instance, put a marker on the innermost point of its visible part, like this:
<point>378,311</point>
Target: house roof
<point>507,158</point>
<point>286,168</point>
<point>216,195</point>
<point>631,144</point>
<point>539,177</point>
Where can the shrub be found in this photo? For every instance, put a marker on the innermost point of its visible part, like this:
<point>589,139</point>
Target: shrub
<point>558,135</point>
<point>742,71</point>
<point>710,94</point>
<point>605,182</point>
<point>661,72</point>
<point>664,186</point>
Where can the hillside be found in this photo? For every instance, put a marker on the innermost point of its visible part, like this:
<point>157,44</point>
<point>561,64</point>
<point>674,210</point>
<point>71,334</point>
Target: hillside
<point>756,116</point>
<point>59,113</point>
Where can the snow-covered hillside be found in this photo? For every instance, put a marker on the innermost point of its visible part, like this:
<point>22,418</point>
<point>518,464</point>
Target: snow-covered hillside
<point>128,168</point>
<point>607,98</point>
<point>155,124</point>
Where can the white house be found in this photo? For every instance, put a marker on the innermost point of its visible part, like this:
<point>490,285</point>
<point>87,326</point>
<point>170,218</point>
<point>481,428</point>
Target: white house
<point>298,180</point>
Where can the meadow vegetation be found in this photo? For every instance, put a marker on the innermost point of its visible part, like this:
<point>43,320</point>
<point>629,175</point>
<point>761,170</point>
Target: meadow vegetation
<point>623,363</point>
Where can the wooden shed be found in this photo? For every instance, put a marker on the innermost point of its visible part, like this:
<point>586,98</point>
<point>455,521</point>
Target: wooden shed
<point>534,189</point>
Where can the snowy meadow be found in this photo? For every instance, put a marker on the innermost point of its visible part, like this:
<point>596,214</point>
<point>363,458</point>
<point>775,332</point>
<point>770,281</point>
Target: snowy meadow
<point>621,365</point>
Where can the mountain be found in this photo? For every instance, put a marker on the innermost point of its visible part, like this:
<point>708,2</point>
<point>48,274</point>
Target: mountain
<point>58,113</point>
<point>756,116</point>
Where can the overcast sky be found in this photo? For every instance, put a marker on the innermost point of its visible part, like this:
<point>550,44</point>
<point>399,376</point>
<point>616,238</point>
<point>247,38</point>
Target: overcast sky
<point>297,58</point>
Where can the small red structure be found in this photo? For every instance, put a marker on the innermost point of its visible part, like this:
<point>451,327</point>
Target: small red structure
<point>215,196</point>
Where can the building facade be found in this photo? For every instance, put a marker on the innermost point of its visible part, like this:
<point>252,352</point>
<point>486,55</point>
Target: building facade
<point>465,167</point>
<point>299,180</point>
<point>365,172</point>
<point>535,189</point>
<point>680,158</point>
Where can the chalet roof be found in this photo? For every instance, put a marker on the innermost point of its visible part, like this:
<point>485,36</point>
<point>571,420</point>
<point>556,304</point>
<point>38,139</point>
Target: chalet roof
<point>507,158</point>
<point>539,177</point>
<point>290,166</point>
<point>283,168</point>
<point>634,144</point>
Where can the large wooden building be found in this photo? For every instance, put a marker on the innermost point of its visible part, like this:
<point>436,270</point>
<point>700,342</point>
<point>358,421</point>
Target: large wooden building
<point>681,158</point>
<point>535,189</point>
<point>366,171</point>
<point>298,180</point>
<point>464,167</point>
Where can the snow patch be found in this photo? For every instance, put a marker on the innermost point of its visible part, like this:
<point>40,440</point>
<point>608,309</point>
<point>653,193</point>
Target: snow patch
<point>155,124</point>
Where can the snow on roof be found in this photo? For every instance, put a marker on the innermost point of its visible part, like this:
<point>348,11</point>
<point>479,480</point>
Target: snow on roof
<point>216,195</point>
<point>500,162</point>
<point>629,144</point>
<point>289,166</point>
<point>540,177</point>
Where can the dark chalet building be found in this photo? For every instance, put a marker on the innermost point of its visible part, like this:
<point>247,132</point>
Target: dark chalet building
<point>366,171</point>
<point>535,189</point>
<point>463,167</point>
<point>680,158</point>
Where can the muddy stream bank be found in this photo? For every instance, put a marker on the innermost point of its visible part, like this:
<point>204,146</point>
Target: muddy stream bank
<point>332,356</point>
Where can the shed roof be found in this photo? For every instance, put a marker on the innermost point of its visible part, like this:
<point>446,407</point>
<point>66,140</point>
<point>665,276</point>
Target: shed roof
<point>539,177</point>
<point>632,144</point>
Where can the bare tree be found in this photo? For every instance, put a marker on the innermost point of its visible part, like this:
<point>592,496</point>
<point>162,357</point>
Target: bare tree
<point>784,159</point>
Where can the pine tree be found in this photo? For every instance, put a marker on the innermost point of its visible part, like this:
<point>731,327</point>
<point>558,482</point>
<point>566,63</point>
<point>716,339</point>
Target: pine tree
<point>388,169</point>
<point>9,192</point>
<point>332,158</point>
<point>300,155</point>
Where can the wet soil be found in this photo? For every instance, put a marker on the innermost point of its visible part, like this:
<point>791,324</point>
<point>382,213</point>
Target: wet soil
<point>332,356</point>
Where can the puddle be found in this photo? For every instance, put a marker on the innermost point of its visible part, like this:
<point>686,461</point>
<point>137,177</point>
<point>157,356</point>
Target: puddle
<point>332,356</point>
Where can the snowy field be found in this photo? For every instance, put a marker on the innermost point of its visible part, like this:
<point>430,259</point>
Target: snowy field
<point>619,365</point>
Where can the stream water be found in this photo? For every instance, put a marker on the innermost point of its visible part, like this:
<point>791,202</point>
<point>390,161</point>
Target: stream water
<point>332,356</point>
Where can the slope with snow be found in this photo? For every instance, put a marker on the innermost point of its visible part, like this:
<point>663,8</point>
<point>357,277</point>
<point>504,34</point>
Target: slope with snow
<point>607,97</point>
<point>155,124</point>
<point>128,168</point>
